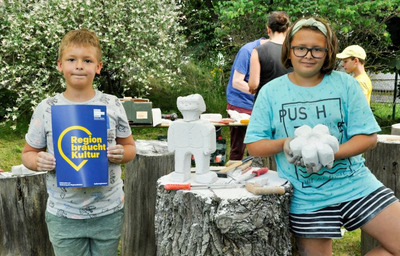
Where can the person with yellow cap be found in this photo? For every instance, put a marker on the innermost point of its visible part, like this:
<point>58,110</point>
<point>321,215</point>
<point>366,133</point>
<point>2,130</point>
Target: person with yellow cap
<point>353,62</point>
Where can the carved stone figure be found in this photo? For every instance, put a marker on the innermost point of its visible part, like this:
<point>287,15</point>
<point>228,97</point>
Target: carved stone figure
<point>192,136</point>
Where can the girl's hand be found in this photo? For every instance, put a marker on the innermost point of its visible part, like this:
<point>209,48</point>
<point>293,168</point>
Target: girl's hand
<point>290,157</point>
<point>45,161</point>
<point>115,154</point>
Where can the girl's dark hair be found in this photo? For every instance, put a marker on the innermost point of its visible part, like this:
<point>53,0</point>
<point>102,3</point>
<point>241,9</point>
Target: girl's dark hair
<point>278,21</point>
<point>332,45</point>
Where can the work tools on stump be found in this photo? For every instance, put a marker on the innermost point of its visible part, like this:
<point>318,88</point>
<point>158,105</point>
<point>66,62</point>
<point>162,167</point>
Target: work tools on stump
<point>258,186</point>
<point>239,174</point>
<point>243,164</point>
<point>189,186</point>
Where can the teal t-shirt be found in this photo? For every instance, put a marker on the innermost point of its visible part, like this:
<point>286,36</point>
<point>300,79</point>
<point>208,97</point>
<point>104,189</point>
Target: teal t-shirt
<point>336,102</point>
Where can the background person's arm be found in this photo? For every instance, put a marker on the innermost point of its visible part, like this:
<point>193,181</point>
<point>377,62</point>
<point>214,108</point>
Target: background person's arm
<point>239,83</point>
<point>255,71</point>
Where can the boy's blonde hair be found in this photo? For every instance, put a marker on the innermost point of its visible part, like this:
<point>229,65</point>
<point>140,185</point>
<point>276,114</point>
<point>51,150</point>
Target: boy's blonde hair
<point>80,37</point>
<point>332,45</point>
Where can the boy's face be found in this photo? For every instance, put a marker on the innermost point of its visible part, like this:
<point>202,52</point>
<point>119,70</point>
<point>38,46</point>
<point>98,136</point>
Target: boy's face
<point>79,64</point>
<point>349,65</point>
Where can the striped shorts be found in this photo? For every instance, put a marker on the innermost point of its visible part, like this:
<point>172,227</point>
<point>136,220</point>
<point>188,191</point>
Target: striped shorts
<point>326,223</point>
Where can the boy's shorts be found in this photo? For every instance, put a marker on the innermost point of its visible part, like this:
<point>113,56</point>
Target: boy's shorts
<point>326,223</point>
<point>95,236</point>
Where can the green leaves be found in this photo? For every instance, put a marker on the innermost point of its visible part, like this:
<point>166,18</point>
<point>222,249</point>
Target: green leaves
<point>354,22</point>
<point>140,40</point>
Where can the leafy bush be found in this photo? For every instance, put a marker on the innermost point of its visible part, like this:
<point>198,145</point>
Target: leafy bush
<point>200,21</point>
<point>141,42</point>
<point>371,24</point>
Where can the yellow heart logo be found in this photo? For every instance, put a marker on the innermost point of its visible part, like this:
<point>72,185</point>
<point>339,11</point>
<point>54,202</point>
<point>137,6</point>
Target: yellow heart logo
<point>76,167</point>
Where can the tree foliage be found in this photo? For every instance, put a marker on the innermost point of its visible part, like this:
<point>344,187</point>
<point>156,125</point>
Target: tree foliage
<point>141,43</point>
<point>372,24</point>
<point>144,42</point>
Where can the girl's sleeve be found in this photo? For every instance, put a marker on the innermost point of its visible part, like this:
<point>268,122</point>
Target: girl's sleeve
<point>360,119</point>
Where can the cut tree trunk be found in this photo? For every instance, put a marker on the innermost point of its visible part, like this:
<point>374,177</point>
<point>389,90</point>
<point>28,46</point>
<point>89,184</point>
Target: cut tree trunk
<point>221,222</point>
<point>384,163</point>
<point>395,129</point>
<point>152,161</point>
<point>23,229</point>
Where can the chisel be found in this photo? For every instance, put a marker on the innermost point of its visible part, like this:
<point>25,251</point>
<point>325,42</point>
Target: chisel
<point>234,165</point>
<point>189,186</point>
<point>257,189</point>
<point>253,174</point>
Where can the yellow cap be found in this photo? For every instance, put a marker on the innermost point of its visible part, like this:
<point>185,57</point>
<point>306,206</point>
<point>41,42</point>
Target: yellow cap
<point>352,51</point>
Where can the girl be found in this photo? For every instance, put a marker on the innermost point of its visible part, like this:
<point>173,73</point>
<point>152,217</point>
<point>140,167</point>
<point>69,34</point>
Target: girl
<point>348,194</point>
<point>265,61</point>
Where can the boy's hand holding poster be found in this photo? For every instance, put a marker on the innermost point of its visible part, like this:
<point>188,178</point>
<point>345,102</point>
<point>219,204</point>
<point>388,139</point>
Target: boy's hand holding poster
<point>80,145</point>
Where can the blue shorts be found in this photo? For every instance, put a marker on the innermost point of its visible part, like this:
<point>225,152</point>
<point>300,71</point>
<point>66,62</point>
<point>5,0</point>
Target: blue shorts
<point>84,237</point>
<point>326,223</point>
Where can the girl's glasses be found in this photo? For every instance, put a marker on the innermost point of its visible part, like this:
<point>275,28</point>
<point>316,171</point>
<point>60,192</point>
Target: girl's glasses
<point>316,52</point>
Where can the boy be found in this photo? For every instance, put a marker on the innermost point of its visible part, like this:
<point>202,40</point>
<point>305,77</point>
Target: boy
<point>353,62</point>
<point>81,221</point>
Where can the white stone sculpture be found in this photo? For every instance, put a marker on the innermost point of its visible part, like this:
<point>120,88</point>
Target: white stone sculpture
<point>192,136</point>
<point>315,145</point>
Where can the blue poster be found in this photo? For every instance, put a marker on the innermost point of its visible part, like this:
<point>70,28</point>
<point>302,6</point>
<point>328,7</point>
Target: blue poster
<point>80,145</point>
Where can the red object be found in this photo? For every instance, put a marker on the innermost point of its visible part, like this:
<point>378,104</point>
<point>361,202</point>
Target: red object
<point>176,186</point>
<point>1,170</point>
<point>260,171</point>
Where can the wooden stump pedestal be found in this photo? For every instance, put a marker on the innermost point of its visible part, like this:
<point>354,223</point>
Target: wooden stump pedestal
<point>152,161</point>
<point>221,222</point>
<point>23,229</point>
<point>384,163</point>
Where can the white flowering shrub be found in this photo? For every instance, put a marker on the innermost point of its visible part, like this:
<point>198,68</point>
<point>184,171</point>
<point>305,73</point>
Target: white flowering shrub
<point>141,43</point>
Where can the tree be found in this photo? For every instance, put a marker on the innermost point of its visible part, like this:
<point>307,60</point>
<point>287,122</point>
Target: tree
<point>141,43</point>
<point>365,23</point>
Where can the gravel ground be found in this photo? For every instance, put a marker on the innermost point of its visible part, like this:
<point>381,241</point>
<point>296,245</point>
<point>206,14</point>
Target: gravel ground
<point>377,97</point>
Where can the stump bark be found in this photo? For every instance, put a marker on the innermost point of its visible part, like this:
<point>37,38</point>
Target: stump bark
<point>23,229</point>
<point>152,161</point>
<point>384,163</point>
<point>231,223</point>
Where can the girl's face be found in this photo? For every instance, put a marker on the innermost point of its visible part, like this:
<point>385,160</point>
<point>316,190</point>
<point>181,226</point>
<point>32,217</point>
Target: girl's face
<point>308,66</point>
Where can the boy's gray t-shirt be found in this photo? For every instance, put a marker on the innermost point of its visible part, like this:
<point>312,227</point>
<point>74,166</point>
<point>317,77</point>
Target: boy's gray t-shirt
<point>90,202</point>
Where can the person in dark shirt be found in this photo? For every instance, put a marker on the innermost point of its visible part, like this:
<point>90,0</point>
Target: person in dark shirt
<point>265,61</point>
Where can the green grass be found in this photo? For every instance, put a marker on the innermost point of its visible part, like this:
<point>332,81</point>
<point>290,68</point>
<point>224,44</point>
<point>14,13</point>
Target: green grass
<point>349,245</point>
<point>384,115</point>
<point>11,145</point>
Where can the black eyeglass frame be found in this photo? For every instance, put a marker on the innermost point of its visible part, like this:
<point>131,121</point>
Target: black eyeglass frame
<point>325,50</point>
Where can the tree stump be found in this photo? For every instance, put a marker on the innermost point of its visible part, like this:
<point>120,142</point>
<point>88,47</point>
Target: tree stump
<point>395,129</point>
<point>23,229</point>
<point>221,222</point>
<point>152,161</point>
<point>384,163</point>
